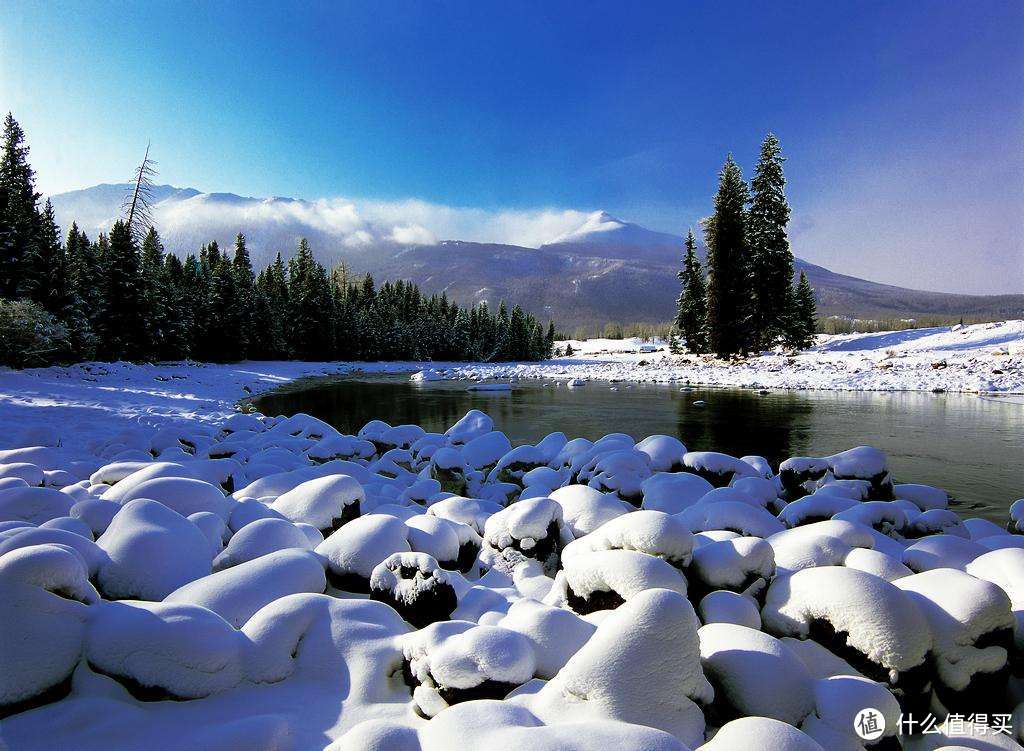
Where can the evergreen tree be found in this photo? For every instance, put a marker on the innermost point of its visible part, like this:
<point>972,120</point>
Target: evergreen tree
<point>801,333</point>
<point>153,293</point>
<point>44,271</point>
<point>244,281</point>
<point>178,322</point>
<point>81,279</point>
<point>19,215</point>
<point>728,290</point>
<point>309,298</point>
<point>122,327</point>
<point>770,257</point>
<point>549,341</point>
<point>691,308</point>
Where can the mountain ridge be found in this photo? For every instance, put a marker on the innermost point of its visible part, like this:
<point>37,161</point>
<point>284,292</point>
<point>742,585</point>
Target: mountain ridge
<point>601,269</point>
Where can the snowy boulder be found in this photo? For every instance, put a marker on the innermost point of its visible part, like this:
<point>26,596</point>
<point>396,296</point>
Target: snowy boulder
<point>70,524</point>
<point>341,447</point>
<point>864,463</point>
<point>455,661</point>
<point>941,551</point>
<point>242,421</point>
<point>46,599</point>
<point>148,471</point>
<point>326,503</point>
<point>864,619</point>
<point>809,551</point>
<point>936,521</point>
<point>972,632</point>
<point>472,425</point>
<point>249,510</point>
<point>415,586</point>
<point>34,505</point>
<point>885,517</point>
<point>182,494</point>
<point>623,473</point>
<point>814,508</point>
<point>732,516</point>
<point>837,702</point>
<point>799,474</point>
<point>151,551</point>
<point>877,563</point>
<point>395,464</point>
<point>753,674</point>
<point>355,550</point>
<point>237,593</point>
<point>92,556</point>
<point>744,564</point>
<point>301,425</point>
<point>437,537</point>
<point>665,452</point>
<point>274,485</point>
<point>1005,568</point>
<point>650,532</point>
<point>96,513</point>
<point>585,509</point>
<point>484,451</point>
<point>110,474</point>
<point>555,633</point>
<point>29,473</point>
<point>160,650</point>
<point>448,467</point>
<point>854,535</point>
<point>761,733</point>
<point>605,579</point>
<point>516,464</point>
<point>213,528</point>
<point>530,528</point>
<point>642,666</point>
<point>925,497</point>
<point>718,469</point>
<point>673,492</point>
<point>260,538</point>
<point>723,606</point>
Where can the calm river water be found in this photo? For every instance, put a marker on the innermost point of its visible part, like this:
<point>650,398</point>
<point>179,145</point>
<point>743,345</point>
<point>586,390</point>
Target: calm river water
<point>973,447</point>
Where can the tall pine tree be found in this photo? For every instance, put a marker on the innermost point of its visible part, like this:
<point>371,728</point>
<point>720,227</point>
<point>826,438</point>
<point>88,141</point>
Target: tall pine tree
<point>122,326</point>
<point>19,215</point>
<point>770,257</point>
<point>801,332</point>
<point>691,308</point>
<point>728,297</point>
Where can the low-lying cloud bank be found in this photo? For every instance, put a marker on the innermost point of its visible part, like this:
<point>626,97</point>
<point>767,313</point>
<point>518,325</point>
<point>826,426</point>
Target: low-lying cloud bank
<point>351,223</point>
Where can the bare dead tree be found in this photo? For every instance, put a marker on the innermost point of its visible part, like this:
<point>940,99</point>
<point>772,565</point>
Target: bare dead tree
<point>138,203</point>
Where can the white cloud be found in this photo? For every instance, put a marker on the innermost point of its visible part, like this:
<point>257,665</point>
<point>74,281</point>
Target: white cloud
<point>361,222</point>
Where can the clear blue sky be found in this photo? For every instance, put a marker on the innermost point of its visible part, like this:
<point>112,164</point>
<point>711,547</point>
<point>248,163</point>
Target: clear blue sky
<point>903,121</point>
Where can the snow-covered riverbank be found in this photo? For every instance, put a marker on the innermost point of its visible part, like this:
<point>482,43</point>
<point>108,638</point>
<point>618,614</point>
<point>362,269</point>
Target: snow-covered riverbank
<point>95,400</point>
<point>979,358</point>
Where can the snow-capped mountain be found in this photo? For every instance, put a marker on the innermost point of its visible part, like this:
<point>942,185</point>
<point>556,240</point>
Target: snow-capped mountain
<point>577,267</point>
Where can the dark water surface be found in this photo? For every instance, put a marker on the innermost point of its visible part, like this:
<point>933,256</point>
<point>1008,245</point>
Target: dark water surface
<point>972,447</point>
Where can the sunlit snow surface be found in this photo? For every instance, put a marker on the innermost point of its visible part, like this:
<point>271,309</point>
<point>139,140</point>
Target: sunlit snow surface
<point>177,574</point>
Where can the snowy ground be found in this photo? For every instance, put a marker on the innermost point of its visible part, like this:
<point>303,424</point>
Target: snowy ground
<point>980,358</point>
<point>173,569</point>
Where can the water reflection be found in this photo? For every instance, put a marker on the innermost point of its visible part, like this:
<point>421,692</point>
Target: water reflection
<point>971,447</point>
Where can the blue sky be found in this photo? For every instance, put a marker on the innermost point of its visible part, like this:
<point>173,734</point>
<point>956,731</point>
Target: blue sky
<point>903,121</point>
